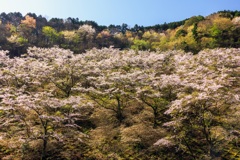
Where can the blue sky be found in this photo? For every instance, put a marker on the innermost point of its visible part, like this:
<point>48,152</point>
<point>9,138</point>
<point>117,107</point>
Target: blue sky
<point>131,12</point>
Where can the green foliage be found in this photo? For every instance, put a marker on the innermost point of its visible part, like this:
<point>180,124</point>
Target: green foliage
<point>229,14</point>
<point>52,35</point>
<point>193,20</point>
<point>215,32</point>
<point>140,45</point>
<point>181,32</point>
<point>22,41</point>
<point>194,32</point>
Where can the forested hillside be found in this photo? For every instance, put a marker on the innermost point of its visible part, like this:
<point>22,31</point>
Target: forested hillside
<point>19,32</point>
<point>72,89</point>
<point>112,104</point>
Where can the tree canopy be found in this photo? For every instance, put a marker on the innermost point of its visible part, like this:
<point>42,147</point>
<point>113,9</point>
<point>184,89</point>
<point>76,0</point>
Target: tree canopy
<point>193,34</point>
<point>113,104</point>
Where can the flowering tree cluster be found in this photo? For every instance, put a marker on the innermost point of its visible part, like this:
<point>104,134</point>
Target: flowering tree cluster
<point>37,106</point>
<point>112,104</point>
<point>204,115</point>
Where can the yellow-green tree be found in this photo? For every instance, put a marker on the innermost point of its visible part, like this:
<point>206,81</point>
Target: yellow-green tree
<point>52,36</point>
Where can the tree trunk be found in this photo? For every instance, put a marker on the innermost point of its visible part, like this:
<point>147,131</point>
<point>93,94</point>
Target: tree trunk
<point>119,110</point>
<point>45,140</point>
<point>155,113</point>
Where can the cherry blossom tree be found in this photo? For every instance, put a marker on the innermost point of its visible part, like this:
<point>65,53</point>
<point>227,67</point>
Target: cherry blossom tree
<point>30,102</point>
<point>202,111</point>
<point>112,88</point>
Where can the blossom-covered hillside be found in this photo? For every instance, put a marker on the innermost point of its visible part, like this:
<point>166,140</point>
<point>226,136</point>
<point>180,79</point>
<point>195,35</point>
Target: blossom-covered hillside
<point>112,104</point>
